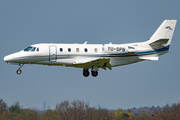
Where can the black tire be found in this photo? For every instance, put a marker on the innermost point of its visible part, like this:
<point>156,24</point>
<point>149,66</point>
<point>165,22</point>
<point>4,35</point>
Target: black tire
<point>19,71</point>
<point>94,73</point>
<point>86,73</point>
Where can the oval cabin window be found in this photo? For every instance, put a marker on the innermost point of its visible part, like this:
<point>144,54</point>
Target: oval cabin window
<point>77,49</point>
<point>69,49</point>
<point>85,49</point>
<point>61,49</point>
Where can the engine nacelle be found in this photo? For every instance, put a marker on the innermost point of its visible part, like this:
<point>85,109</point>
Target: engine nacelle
<point>110,48</point>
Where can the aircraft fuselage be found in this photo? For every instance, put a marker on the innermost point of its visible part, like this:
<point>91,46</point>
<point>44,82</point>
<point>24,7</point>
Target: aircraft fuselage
<point>95,56</point>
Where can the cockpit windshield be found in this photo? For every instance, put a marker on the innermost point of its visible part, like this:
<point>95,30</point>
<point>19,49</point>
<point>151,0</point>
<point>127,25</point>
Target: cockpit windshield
<point>33,49</point>
<point>28,48</point>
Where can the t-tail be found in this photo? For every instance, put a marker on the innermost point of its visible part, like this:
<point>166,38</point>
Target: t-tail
<point>163,35</point>
<point>160,41</point>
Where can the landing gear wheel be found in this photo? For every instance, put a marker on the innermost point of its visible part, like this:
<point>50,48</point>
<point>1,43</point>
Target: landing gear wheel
<point>94,73</point>
<point>19,71</point>
<point>86,73</point>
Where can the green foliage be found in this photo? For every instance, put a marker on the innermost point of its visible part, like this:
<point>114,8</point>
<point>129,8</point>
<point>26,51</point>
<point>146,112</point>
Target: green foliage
<point>6,116</point>
<point>121,114</point>
<point>3,106</point>
<point>31,114</point>
<point>16,109</point>
<point>51,115</point>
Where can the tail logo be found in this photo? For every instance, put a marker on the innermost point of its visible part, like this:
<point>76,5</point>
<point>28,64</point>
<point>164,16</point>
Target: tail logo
<point>167,27</point>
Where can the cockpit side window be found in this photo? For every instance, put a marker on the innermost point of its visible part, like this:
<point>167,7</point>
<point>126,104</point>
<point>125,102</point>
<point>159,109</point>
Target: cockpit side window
<point>28,48</point>
<point>37,49</point>
<point>33,49</point>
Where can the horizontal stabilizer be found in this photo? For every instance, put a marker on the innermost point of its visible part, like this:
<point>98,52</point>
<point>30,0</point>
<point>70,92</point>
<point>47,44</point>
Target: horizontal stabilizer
<point>159,42</point>
<point>148,58</point>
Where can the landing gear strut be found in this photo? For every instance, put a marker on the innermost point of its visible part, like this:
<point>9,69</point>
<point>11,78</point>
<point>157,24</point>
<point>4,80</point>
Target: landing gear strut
<point>19,71</point>
<point>94,71</point>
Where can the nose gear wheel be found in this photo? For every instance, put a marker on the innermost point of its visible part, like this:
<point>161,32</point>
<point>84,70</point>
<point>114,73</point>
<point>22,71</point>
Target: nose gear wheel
<point>19,71</point>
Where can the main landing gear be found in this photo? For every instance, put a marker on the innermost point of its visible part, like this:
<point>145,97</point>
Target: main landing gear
<point>19,71</point>
<point>94,73</point>
<point>86,72</point>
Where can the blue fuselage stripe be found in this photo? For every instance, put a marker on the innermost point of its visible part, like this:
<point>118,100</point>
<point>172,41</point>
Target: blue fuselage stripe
<point>154,51</point>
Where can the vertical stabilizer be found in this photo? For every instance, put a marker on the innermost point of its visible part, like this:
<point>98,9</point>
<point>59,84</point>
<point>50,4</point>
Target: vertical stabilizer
<point>163,34</point>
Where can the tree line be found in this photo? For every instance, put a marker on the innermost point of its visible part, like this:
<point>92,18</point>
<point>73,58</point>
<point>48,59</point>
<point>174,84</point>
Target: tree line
<point>79,110</point>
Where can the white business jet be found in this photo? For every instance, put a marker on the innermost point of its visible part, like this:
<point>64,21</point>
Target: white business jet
<point>95,56</point>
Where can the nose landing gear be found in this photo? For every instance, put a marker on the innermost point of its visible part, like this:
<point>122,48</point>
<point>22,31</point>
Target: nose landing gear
<point>19,71</point>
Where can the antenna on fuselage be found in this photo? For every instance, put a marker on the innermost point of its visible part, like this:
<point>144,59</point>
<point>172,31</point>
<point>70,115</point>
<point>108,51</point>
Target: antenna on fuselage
<point>85,43</point>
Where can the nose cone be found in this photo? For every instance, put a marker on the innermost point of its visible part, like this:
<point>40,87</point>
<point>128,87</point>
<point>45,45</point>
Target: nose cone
<point>8,58</point>
<point>13,58</point>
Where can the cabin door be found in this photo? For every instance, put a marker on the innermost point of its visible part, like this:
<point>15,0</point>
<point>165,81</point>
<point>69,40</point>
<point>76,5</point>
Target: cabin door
<point>52,53</point>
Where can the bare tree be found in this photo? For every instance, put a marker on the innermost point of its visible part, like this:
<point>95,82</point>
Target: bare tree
<point>64,109</point>
<point>76,110</point>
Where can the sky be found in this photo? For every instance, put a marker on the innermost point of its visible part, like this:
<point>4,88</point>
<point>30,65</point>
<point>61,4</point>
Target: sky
<point>147,83</point>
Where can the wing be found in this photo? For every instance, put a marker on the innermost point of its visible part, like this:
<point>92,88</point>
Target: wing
<point>89,62</point>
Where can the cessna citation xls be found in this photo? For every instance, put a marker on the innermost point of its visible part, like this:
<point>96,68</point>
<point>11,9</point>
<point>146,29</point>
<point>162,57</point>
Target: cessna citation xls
<point>95,56</point>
